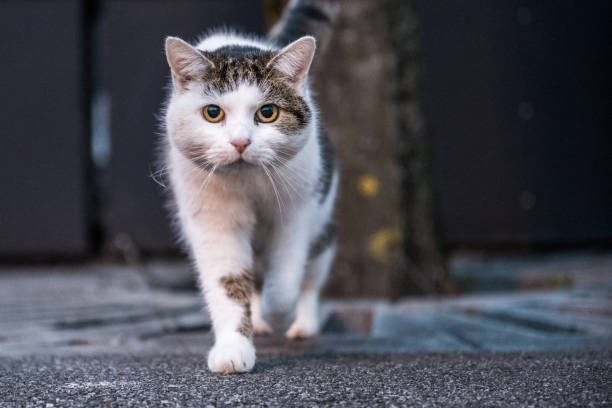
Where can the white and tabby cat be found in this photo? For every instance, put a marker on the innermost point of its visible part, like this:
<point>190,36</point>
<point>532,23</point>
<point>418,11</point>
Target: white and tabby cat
<point>254,182</point>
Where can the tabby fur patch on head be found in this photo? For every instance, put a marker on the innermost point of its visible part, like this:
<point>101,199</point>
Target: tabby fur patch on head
<point>239,79</point>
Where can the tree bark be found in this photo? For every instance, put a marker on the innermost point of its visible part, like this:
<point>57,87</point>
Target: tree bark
<point>367,83</point>
<point>426,270</point>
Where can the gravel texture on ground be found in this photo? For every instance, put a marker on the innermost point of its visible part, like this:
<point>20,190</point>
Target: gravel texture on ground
<point>442,379</point>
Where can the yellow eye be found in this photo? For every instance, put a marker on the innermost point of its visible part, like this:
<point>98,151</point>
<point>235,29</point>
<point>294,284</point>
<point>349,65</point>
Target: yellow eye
<point>267,113</point>
<point>213,113</point>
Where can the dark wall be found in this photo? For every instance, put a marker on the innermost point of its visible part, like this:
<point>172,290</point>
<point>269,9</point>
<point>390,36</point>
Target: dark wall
<point>43,128</point>
<point>519,103</point>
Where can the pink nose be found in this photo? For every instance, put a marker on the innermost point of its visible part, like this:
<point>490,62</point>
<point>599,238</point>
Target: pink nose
<point>241,144</point>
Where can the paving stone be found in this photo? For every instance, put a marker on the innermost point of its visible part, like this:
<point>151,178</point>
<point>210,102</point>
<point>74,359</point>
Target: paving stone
<point>486,271</point>
<point>113,305</point>
<point>103,305</point>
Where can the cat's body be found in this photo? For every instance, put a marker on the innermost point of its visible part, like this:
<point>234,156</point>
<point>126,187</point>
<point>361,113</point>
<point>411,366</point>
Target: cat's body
<point>254,196</point>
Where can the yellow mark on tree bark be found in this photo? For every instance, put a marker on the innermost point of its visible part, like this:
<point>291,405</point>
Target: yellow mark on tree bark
<point>367,185</point>
<point>382,241</point>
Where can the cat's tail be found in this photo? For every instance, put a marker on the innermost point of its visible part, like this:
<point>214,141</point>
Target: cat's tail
<point>305,17</point>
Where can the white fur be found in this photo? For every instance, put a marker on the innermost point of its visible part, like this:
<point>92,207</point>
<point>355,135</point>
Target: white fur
<point>232,353</point>
<point>223,210</point>
<point>218,40</point>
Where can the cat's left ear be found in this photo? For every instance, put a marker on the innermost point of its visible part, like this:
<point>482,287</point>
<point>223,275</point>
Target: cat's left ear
<point>294,61</point>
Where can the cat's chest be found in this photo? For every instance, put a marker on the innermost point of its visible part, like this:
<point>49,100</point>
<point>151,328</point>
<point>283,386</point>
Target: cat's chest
<point>262,234</point>
<point>271,211</point>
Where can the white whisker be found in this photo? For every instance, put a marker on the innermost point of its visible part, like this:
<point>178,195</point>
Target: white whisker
<point>281,180</point>
<point>207,180</point>
<point>154,175</point>
<point>280,209</point>
<point>286,180</point>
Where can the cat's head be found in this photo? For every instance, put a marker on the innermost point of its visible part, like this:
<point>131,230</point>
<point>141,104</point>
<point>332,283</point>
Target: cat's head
<point>239,104</point>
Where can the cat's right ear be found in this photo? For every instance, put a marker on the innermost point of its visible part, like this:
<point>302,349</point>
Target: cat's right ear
<point>185,61</point>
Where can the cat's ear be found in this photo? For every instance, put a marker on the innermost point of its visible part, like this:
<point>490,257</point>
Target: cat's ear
<point>294,61</point>
<point>185,61</point>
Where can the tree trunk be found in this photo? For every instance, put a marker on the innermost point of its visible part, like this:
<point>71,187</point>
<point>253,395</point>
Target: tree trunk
<point>426,270</point>
<point>367,84</point>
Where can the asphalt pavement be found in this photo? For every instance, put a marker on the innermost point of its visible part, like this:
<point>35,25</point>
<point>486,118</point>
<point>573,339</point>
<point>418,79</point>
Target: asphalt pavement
<point>559,379</point>
<point>137,335</point>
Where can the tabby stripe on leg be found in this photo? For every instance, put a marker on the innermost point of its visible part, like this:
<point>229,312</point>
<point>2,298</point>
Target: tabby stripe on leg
<point>239,288</point>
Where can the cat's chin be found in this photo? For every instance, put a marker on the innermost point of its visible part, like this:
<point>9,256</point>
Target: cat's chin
<point>237,165</point>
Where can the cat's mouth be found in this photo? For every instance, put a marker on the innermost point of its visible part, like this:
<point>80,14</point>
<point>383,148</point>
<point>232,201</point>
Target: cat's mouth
<point>238,164</point>
<point>242,161</point>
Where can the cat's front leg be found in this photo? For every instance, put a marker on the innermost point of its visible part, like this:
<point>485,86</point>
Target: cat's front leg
<point>233,351</point>
<point>288,255</point>
<point>222,250</point>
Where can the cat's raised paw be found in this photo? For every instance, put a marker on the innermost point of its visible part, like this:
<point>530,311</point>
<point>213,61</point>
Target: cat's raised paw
<point>302,330</point>
<point>261,328</point>
<point>232,354</point>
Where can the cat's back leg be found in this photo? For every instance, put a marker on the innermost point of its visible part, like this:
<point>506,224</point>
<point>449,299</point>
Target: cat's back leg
<point>260,326</point>
<point>317,270</point>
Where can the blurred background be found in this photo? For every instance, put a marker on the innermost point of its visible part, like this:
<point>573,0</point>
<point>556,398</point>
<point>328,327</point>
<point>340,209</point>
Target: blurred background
<point>468,132</point>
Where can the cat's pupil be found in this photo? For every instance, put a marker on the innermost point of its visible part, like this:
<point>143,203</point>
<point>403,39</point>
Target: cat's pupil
<point>213,111</point>
<point>267,111</point>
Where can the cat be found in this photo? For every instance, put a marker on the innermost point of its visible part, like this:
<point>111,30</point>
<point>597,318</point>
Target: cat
<point>254,180</point>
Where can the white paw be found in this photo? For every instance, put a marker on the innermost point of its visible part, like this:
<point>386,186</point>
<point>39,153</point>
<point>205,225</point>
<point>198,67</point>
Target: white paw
<point>303,328</point>
<point>232,353</point>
